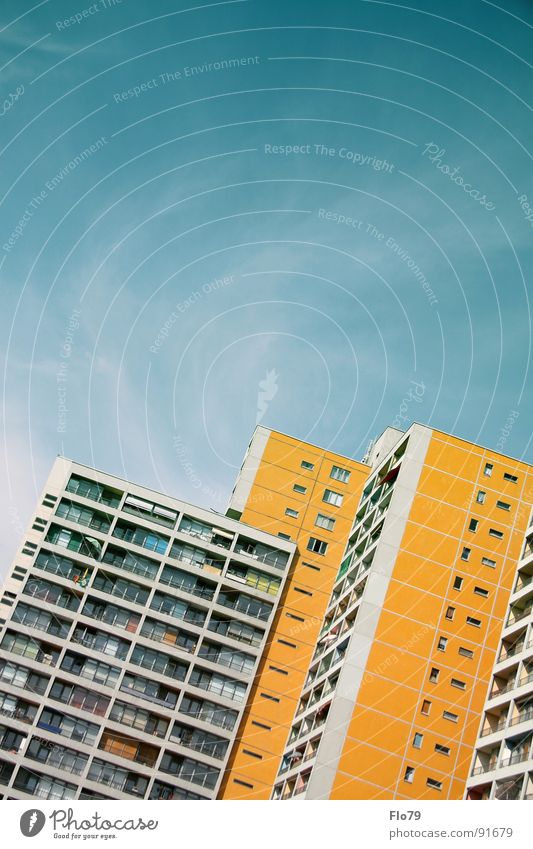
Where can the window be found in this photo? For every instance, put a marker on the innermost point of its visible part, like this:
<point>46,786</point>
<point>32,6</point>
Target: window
<point>465,554</point>
<point>434,784</point>
<point>443,642</point>
<point>434,675</point>
<point>503,505</point>
<point>470,620</point>
<point>459,685</point>
<point>409,774</point>
<point>299,488</point>
<point>286,643</point>
<point>494,533</point>
<point>511,478</point>
<point>317,545</point>
<point>270,698</point>
<point>465,652</point>
<point>417,740</point>
<point>332,497</point>
<point>480,497</point>
<point>252,754</point>
<point>450,612</point>
<point>488,469</point>
<point>338,474</point>
<point>292,616</point>
<point>426,707</point>
<point>305,464</point>
<point>311,566</point>
<point>243,783</point>
<point>452,717</point>
<point>278,670</point>
<point>473,525</point>
<point>442,750</point>
<point>283,536</point>
<point>261,725</point>
<point>303,592</point>
<point>325,522</point>
<point>457,582</point>
<point>482,592</point>
<point>488,562</point>
<point>292,513</point>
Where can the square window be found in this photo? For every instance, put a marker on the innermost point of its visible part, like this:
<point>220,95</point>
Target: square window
<point>480,497</point>
<point>466,552</point>
<point>457,582</point>
<point>426,707</point>
<point>417,740</point>
<point>339,474</point>
<point>325,522</point>
<point>434,675</point>
<point>409,774</point>
<point>299,488</point>
<point>511,478</point>
<point>488,469</point>
<point>317,545</point>
<point>292,513</point>
<point>331,497</point>
<point>443,642</point>
<point>305,464</point>
<point>503,505</point>
<point>473,525</point>
<point>450,612</point>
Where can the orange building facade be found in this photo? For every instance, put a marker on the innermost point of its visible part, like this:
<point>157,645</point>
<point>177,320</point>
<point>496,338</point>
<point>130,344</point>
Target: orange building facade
<point>309,494</point>
<point>392,700</point>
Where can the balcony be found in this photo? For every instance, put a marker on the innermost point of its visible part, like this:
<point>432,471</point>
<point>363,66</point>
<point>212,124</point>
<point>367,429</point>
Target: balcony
<point>129,749</point>
<point>245,604</point>
<point>83,516</point>
<point>123,780</point>
<point>522,716</point>
<point>93,491</point>
<point>199,741</point>
<point>42,786</point>
<point>525,679</point>
<point>517,613</point>
<point>201,530</point>
<point>515,758</point>
<point>197,557</point>
<point>129,562</point>
<point>187,583</point>
<point>493,724</point>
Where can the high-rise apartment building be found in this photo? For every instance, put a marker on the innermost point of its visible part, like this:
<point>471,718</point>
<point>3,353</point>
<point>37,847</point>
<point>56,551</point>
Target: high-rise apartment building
<point>307,494</point>
<point>392,698</point>
<point>502,766</point>
<point>132,625</point>
<point>332,637</point>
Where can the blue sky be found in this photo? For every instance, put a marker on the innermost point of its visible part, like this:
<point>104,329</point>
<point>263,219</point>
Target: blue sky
<point>203,199</point>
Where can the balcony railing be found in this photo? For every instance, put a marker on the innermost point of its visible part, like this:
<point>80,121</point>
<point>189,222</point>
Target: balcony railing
<point>522,717</point>
<point>479,770</point>
<point>515,758</point>
<point>517,616</point>
<point>498,727</point>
